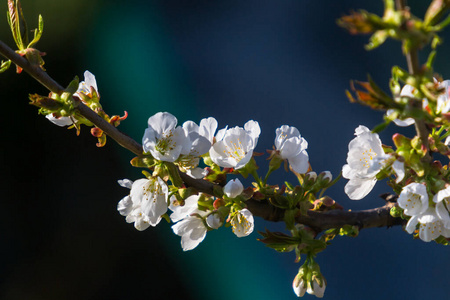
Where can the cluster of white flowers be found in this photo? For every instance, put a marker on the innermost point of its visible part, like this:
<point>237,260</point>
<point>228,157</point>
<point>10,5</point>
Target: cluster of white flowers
<point>184,145</point>
<point>433,221</point>
<point>230,148</point>
<point>442,105</point>
<point>366,158</point>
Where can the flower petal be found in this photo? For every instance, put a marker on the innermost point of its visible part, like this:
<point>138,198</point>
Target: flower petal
<point>357,188</point>
<point>300,163</point>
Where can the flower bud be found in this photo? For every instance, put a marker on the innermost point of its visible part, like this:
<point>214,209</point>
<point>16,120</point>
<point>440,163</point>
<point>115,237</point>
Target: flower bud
<point>214,221</point>
<point>309,179</point>
<point>299,285</point>
<point>416,143</point>
<point>233,188</point>
<point>309,280</point>
<point>323,180</point>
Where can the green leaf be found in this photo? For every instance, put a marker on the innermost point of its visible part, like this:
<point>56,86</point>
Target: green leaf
<point>279,241</point>
<point>37,33</point>
<point>13,22</point>
<point>22,23</point>
<point>73,85</point>
<point>249,168</point>
<point>442,240</point>
<point>381,127</point>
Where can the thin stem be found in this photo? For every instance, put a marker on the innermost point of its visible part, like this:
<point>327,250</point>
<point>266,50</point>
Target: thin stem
<point>412,60</point>
<point>257,179</point>
<point>267,176</point>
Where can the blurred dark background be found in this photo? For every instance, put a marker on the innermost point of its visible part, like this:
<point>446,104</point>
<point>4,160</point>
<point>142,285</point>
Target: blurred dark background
<point>277,62</point>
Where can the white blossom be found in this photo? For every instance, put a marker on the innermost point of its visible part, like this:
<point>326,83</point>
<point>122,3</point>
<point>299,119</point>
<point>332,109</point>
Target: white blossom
<point>164,139</point>
<point>125,206</point>
<point>199,136</point>
<point>399,169</point>
<point>60,121</point>
<point>360,168</point>
<point>201,139</point>
<point>197,173</point>
<point>146,203</point>
<point>192,231</point>
<point>85,86</point>
<point>180,212</point>
<point>407,91</point>
<point>207,128</point>
<point>191,226</point>
<point>443,101</point>
<point>442,105</point>
<point>413,199</point>
<point>242,223</point>
<point>233,188</point>
<point>292,147</point>
<point>235,148</point>
<point>442,200</point>
<point>431,227</point>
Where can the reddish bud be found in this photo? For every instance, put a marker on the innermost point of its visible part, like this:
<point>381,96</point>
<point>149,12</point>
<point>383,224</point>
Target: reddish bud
<point>97,132</point>
<point>218,203</point>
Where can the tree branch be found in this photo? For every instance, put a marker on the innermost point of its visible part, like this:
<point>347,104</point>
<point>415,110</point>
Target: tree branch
<point>377,217</point>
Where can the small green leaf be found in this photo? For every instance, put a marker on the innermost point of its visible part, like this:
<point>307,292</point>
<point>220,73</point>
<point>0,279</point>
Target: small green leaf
<point>349,230</point>
<point>37,33</point>
<point>279,241</point>
<point>381,127</point>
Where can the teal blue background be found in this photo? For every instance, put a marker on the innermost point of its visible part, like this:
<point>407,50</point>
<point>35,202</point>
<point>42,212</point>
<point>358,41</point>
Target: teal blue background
<point>277,62</point>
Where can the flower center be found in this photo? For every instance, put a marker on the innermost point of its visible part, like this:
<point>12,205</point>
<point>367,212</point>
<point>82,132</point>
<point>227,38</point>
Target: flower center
<point>152,191</point>
<point>368,156</point>
<point>282,137</point>
<point>413,200</point>
<point>165,143</point>
<point>241,223</point>
<point>432,227</point>
<point>187,162</point>
<point>235,150</point>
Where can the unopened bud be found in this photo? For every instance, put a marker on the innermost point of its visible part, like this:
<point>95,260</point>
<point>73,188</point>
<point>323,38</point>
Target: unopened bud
<point>310,179</point>
<point>416,143</point>
<point>323,179</point>
<point>218,203</point>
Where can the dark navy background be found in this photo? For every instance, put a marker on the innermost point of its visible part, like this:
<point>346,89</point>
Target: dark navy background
<point>277,62</point>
